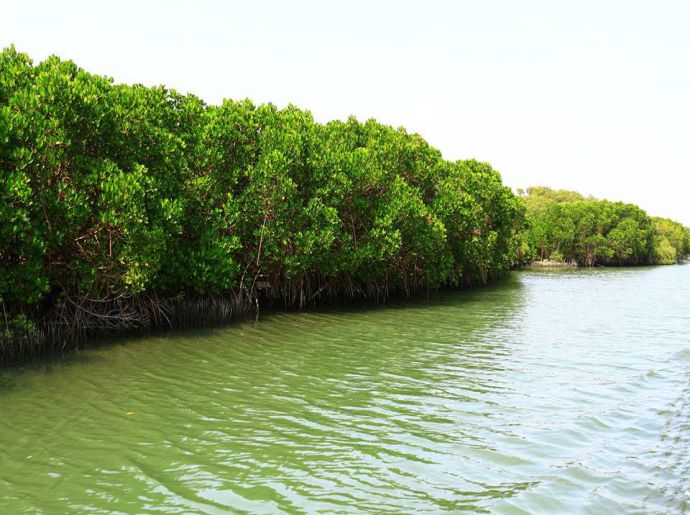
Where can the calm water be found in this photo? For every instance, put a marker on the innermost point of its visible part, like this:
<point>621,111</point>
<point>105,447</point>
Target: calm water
<point>554,391</point>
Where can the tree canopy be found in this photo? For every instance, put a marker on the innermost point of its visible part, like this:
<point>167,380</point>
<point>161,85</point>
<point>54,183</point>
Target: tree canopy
<point>114,192</point>
<point>565,226</point>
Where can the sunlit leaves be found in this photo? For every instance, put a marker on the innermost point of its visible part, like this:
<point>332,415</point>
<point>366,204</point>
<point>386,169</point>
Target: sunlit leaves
<point>111,191</point>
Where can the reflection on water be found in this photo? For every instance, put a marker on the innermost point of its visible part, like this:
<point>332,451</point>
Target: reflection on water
<point>552,391</point>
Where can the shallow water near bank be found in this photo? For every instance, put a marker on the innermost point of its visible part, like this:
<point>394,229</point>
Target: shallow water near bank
<point>552,391</point>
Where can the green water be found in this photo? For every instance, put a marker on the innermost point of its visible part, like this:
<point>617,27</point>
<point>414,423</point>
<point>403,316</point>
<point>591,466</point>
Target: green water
<point>553,391</point>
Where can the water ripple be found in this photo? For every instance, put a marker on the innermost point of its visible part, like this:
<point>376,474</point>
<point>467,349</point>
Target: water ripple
<point>554,391</point>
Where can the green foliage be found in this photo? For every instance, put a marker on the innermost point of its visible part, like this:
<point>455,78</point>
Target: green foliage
<point>483,218</point>
<point>112,192</point>
<point>672,241</point>
<point>566,226</point>
<point>664,252</point>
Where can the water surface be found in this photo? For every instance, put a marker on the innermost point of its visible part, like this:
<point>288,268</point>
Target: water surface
<point>553,391</point>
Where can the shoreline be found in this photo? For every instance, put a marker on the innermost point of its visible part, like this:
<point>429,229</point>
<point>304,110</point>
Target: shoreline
<point>547,263</point>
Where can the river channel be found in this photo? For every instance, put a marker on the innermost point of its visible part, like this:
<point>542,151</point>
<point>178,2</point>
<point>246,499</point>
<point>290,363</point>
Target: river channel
<point>550,391</point>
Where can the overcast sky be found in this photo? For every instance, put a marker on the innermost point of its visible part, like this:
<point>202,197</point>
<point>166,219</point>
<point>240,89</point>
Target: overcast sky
<point>586,95</point>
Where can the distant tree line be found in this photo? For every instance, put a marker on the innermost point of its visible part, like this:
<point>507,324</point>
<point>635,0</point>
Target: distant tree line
<point>565,226</point>
<point>120,203</point>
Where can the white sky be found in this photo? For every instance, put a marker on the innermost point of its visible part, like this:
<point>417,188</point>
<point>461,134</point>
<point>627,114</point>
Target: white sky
<point>592,96</point>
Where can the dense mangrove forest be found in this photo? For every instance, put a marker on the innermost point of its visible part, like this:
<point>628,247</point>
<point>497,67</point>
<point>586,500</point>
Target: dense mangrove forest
<point>126,206</point>
<point>131,207</point>
<point>565,226</point>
